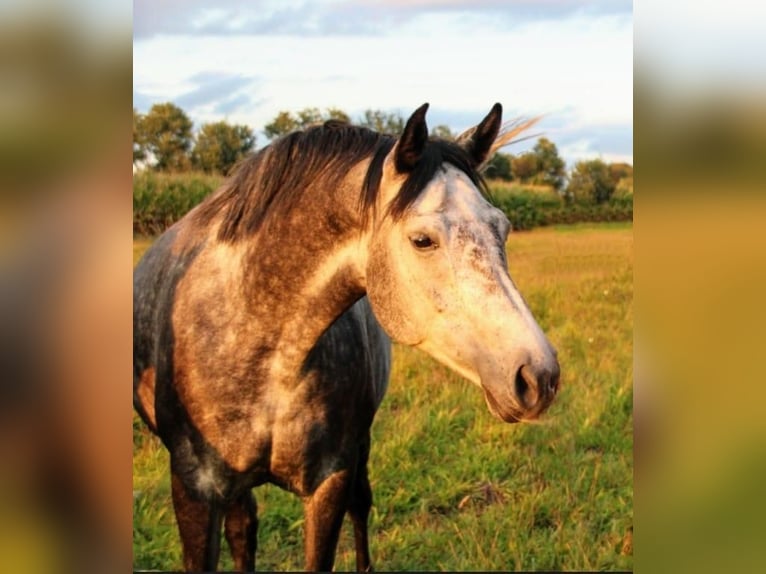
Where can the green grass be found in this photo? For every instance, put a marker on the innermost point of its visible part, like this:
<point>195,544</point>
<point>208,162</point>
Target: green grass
<point>456,489</point>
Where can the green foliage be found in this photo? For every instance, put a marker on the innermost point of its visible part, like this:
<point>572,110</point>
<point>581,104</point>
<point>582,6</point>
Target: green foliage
<point>525,208</point>
<point>590,180</point>
<point>615,209</point>
<point>281,125</point>
<point>159,200</point>
<point>528,208</point>
<point>309,116</point>
<point>619,171</point>
<point>286,122</point>
<point>550,167</point>
<point>378,120</point>
<point>624,187</point>
<point>524,167</point>
<point>166,133</point>
<point>499,167</point>
<point>541,166</point>
<point>444,132</point>
<point>621,175</point>
<point>220,145</point>
<point>454,488</point>
<point>337,114</point>
<point>139,147</point>
<point>383,122</point>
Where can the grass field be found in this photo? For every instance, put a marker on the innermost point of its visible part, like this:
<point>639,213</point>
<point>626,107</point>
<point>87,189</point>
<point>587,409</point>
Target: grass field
<point>455,488</point>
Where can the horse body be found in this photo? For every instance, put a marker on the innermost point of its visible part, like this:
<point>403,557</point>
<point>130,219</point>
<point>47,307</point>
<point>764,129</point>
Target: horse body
<point>271,376</point>
<point>257,356</point>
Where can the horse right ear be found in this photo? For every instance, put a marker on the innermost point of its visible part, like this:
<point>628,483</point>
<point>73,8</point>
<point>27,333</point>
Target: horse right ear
<point>409,148</point>
<point>479,141</point>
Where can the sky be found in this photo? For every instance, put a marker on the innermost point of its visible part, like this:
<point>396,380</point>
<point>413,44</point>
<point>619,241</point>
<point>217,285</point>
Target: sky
<point>570,61</point>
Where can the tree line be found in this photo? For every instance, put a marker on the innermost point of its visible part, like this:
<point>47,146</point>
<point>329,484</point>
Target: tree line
<point>164,141</point>
<point>594,179</point>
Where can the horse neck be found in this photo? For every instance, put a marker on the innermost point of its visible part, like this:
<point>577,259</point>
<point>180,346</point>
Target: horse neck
<point>302,271</point>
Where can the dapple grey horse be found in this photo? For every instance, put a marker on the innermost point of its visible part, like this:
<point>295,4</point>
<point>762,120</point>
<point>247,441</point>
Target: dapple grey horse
<point>262,322</point>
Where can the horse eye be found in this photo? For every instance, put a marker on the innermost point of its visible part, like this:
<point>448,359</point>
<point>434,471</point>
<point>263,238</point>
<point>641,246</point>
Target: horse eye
<point>423,242</point>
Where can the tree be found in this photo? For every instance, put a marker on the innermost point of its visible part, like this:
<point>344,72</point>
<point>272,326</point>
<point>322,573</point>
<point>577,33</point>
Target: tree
<point>139,148</point>
<point>499,167</point>
<point>380,121</point>
<point>309,116</point>
<point>286,122</point>
<point>590,180</point>
<point>620,170</point>
<point>283,124</point>
<point>337,114</point>
<point>550,167</point>
<point>524,167</point>
<point>444,132</point>
<point>166,132</point>
<point>220,145</point>
<point>624,187</point>
<point>621,174</point>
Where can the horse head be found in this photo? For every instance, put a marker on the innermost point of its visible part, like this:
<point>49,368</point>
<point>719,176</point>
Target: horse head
<point>437,275</point>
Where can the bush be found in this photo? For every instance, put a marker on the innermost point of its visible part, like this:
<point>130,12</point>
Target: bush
<point>624,187</point>
<point>591,180</point>
<point>159,200</point>
<point>527,208</point>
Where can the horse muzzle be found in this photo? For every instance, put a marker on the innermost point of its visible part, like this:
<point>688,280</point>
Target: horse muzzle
<point>526,397</point>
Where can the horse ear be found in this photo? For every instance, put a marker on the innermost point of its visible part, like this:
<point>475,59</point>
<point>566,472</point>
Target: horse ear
<point>409,148</point>
<point>478,140</point>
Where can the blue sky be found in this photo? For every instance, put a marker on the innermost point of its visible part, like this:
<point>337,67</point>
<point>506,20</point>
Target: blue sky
<point>244,61</point>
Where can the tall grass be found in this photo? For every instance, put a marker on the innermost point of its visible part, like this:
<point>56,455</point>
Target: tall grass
<point>161,199</point>
<point>456,489</point>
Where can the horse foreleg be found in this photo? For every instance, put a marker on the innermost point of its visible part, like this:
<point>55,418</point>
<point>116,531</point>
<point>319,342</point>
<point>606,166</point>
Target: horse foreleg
<point>241,529</point>
<point>324,511</point>
<point>359,511</point>
<point>199,524</point>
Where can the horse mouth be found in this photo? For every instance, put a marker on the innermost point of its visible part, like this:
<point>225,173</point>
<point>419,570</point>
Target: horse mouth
<point>505,414</point>
<point>512,413</point>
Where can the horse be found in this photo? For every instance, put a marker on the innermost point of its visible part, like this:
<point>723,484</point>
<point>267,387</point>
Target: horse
<point>263,322</point>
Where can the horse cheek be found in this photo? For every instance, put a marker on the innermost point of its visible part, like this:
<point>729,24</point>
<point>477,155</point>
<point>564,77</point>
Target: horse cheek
<point>388,303</point>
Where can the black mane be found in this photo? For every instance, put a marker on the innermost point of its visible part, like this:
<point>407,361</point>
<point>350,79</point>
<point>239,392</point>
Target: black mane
<point>269,183</point>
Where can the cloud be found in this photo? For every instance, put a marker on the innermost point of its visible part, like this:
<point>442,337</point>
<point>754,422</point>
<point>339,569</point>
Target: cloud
<point>169,17</point>
<point>350,17</point>
<point>522,9</point>
<point>215,94</point>
<point>213,88</point>
<point>577,71</point>
<point>142,102</point>
<point>234,104</point>
<point>229,17</point>
<point>610,143</point>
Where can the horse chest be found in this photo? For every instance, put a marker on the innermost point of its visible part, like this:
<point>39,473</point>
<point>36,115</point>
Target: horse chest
<point>310,440</point>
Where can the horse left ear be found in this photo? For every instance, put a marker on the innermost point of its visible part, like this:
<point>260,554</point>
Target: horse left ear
<point>409,148</point>
<point>478,140</point>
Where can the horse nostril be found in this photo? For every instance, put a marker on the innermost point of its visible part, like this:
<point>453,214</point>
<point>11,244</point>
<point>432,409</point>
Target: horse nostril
<point>554,384</point>
<point>553,381</point>
<point>526,386</point>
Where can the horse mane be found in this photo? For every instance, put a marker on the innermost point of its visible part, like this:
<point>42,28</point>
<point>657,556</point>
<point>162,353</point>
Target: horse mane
<point>269,183</point>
